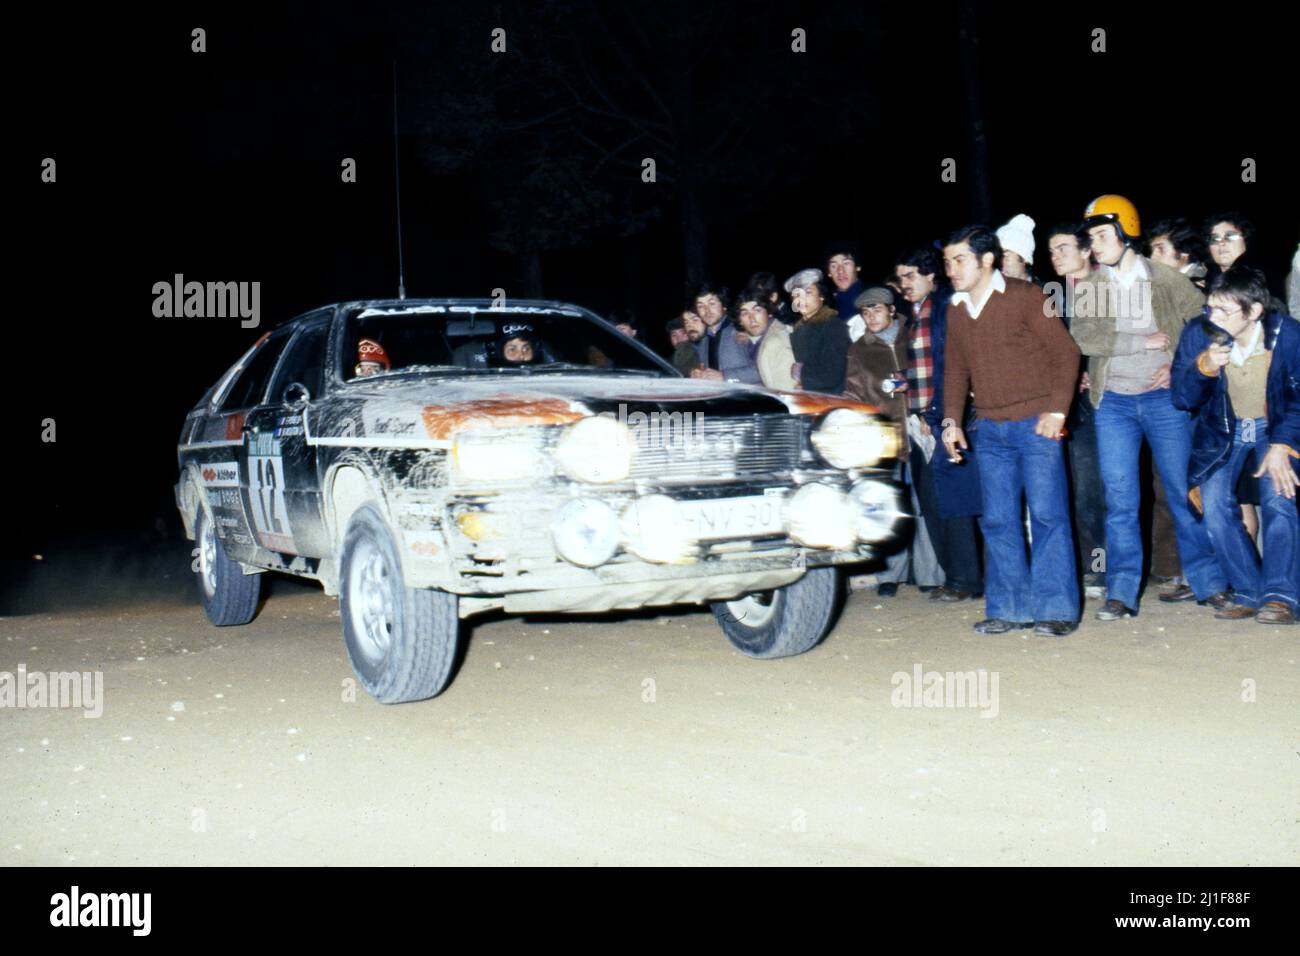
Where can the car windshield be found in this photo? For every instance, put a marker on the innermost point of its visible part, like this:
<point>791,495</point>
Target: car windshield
<point>463,340</point>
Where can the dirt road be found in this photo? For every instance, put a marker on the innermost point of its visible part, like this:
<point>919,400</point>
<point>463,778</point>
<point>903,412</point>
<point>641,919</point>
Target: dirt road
<point>1170,739</point>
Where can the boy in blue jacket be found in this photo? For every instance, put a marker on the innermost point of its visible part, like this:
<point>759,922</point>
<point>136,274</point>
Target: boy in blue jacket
<point>1238,370</point>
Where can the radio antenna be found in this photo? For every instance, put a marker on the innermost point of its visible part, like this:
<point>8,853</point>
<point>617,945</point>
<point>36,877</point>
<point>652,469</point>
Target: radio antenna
<point>397,180</point>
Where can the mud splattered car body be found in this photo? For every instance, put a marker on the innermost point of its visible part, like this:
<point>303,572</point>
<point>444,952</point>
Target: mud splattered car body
<point>593,478</point>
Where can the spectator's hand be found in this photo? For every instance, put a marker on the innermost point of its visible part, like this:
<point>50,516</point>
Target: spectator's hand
<point>742,338</point>
<point>1277,465</point>
<point>796,372</point>
<point>954,438</point>
<point>1159,341</point>
<point>1162,377</point>
<point>925,426</point>
<point>1217,355</point>
<point>1085,382</point>
<point>711,373</point>
<point>1049,426</point>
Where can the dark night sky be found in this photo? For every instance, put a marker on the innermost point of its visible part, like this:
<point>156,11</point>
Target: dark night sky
<point>225,166</point>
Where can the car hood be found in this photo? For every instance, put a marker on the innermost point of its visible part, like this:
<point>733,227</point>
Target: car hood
<point>437,409</point>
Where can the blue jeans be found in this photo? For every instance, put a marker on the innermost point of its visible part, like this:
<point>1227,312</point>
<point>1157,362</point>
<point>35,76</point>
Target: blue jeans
<point>1013,461</point>
<point>1123,421</point>
<point>1279,576</point>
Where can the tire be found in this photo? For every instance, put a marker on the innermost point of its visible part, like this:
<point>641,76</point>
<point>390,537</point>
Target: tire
<point>229,595</point>
<point>401,641</point>
<point>784,622</point>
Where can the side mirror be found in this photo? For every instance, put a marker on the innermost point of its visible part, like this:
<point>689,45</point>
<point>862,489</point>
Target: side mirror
<point>296,393</point>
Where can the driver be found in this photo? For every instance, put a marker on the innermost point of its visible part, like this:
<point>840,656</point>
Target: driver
<point>517,344</point>
<point>371,358</point>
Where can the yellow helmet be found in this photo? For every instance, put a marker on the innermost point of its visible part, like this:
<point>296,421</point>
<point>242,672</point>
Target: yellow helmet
<point>1116,210</point>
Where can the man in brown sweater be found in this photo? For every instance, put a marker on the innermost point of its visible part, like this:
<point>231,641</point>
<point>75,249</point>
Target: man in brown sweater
<point>1008,346</point>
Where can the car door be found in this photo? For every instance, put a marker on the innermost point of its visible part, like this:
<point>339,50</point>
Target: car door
<point>226,481</point>
<point>283,490</point>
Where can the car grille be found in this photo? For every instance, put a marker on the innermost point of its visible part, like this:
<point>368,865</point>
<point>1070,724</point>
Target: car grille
<point>708,448</point>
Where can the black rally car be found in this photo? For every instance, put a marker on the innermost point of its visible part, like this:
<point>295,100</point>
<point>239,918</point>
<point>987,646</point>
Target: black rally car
<point>426,460</point>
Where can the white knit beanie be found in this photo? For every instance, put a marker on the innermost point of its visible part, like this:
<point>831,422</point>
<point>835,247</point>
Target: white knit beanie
<point>1018,236</point>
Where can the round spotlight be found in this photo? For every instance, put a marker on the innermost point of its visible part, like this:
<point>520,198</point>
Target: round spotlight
<point>822,517</point>
<point>655,530</point>
<point>880,510</point>
<point>585,532</point>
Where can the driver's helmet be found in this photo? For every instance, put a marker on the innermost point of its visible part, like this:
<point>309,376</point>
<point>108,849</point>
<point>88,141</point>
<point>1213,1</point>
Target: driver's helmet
<point>517,343</point>
<point>371,358</point>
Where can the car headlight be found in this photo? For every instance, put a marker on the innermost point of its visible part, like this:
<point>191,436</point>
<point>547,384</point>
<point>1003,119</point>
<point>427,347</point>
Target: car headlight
<point>585,532</point>
<point>598,450</point>
<point>489,457</point>
<point>851,439</point>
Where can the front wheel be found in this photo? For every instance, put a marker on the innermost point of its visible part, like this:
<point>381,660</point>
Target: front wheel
<point>783,622</point>
<point>401,641</point>
<point>229,595</point>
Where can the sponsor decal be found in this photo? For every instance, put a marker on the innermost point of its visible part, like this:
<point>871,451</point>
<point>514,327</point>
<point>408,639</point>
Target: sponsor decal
<point>393,423</point>
<point>220,474</point>
<point>288,425</point>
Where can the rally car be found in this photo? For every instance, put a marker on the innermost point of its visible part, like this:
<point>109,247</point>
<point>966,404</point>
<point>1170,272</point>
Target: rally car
<point>427,460</point>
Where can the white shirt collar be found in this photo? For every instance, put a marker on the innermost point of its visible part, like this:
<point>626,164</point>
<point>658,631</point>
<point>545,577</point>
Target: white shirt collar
<point>996,284</point>
<point>1126,279</point>
<point>1238,355</point>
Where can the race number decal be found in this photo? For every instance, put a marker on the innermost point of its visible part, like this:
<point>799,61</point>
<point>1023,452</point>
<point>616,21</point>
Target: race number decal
<point>266,495</point>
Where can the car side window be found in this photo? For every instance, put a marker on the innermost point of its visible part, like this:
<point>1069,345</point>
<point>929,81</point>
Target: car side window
<point>304,363</point>
<point>250,385</point>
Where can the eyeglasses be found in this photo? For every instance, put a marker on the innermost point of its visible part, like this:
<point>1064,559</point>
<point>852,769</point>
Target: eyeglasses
<point>1218,240</point>
<point>1223,313</point>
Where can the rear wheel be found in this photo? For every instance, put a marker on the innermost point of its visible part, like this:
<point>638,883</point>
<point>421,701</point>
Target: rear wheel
<point>783,622</point>
<point>229,595</point>
<point>401,641</point>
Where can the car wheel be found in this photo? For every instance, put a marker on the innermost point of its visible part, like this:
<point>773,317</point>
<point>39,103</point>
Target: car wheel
<point>229,595</point>
<point>401,641</point>
<point>784,622</point>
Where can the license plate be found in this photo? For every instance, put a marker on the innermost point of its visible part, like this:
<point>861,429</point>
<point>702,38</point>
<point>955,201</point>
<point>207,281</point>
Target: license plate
<point>750,517</point>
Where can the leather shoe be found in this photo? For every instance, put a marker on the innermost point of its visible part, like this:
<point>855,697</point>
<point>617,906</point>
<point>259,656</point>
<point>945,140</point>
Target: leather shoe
<point>888,589</point>
<point>996,625</point>
<point>1055,628</point>
<point>949,596</point>
<point>1114,610</point>
<point>1179,594</point>
<point>1220,602</point>
<point>1275,612</point>
<point>1238,612</point>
